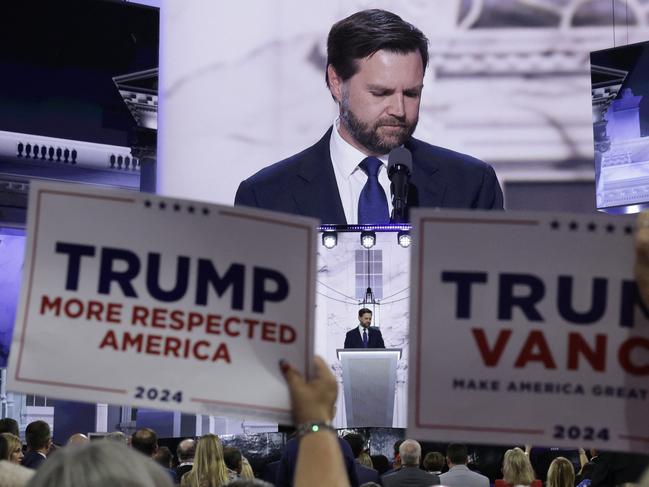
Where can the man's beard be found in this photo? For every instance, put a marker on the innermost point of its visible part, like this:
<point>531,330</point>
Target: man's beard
<point>368,135</point>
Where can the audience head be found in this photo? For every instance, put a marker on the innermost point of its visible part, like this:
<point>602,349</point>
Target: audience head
<point>232,458</point>
<point>209,466</point>
<point>356,442</point>
<point>517,469</point>
<point>164,457</point>
<point>13,475</point>
<point>410,453</point>
<point>98,464</point>
<point>145,441</point>
<point>434,461</point>
<point>246,470</point>
<point>38,436</point>
<point>11,449</point>
<point>9,425</point>
<point>117,436</point>
<point>457,454</point>
<point>381,463</point>
<point>77,439</point>
<point>365,459</point>
<point>561,473</point>
<point>364,33</point>
<point>186,450</point>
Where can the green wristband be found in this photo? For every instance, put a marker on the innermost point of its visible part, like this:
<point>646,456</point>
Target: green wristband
<point>306,428</point>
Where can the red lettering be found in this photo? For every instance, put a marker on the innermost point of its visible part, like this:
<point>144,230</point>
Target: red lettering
<point>199,356</point>
<point>95,308</point>
<point>624,356</point>
<point>70,306</point>
<point>578,345</point>
<point>132,341</point>
<point>48,305</point>
<point>114,313</point>
<point>221,353</point>
<point>227,324</point>
<point>109,340</point>
<point>491,357</point>
<point>535,349</point>
<point>177,322</point>
<point>251,327</point>
<point>139,315</point>
<point>269,331</point>
<point>158,318</point>
<point>153,344</point>
<point>213,324</point>
<point>195,319</point>
<point>171,346</point>
<point>286,333</point>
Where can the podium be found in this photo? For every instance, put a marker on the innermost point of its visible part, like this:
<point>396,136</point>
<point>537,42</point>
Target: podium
<point>369,384</point>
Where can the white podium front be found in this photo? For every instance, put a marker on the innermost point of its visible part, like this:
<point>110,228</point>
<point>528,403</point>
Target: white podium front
<point>369,382</point>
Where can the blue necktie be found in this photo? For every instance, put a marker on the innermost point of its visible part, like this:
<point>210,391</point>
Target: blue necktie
<point>372,203</point>
<point>365,338</point>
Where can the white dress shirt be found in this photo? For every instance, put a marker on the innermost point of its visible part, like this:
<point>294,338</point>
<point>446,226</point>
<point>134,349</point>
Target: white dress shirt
<point>349,177</point>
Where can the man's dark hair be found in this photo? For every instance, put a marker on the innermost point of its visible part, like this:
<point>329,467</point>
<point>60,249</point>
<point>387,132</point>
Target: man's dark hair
<point>145,441</point>
<point>37,435</point>
<point>362,34</point>
<point>362,311</point>
<point>232,458</point>
<point>357,443</point>
<point>9,425</point>
<point>397,444</point>
<point>434,461</point>
<point>457,454</point>
<point>381,463</point>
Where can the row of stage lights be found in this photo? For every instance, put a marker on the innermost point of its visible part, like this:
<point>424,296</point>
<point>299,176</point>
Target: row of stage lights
<point>368,239</point>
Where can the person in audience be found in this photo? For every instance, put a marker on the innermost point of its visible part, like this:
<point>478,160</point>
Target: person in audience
<point>246,470</point>
<point>99,464</point>
<point>517,470</point>
<point>364,474</point>
<point>185,452</point>
<point>642,255</point>
<point>11,449</point>
<point>459,475</point>
<point>612,468</point>
<point>561,473</point>
<point>117,436</point>
<point>232,457</point>
<point>269,471</point>
<point>434,462</point>
<point>381,464</point>
<point>9,425</point>
<point>410,474</point>
<point>209,468</point>
<point>366,460</point>
<point>77,439</point>
<point>319,460</point>
<point>396,460</point>
<point>249,483</point>
<point>145,441</point>
<point>39,440</point>
<point>164,457</point>
<point>13,475</point>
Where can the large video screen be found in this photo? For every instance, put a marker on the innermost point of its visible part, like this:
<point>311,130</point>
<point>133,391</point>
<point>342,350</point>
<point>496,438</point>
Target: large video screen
<point>12,252</point>
<point>620,94</point>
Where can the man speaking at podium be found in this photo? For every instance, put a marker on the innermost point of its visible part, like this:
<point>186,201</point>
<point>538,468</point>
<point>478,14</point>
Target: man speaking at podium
<point>364,335</point>
<point>375,71</point>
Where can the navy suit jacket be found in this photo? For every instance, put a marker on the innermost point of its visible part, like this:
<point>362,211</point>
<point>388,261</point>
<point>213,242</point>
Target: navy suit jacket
<point>32,460</point>
<point>305,184</point>
<point>353,339</point>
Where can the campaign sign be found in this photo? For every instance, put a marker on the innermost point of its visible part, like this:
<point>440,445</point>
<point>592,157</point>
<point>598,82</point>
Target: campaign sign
<point>527,328</point>
<point>157,302</point>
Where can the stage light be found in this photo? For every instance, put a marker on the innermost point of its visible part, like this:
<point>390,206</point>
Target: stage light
<point>329,239</point>
<point>368,239</point>
<point>404,238</point>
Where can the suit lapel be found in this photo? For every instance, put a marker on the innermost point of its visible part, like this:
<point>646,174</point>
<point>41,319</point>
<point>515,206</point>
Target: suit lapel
<point>426,189</point>
<point>318,195</point>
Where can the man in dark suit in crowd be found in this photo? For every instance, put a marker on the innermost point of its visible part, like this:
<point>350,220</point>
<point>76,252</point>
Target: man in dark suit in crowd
<point>364,335</point>
<point>364,474</point>
<point>185,452</point>
<point>39,439</point>
<point>375,70</point>
<point>410,474</point>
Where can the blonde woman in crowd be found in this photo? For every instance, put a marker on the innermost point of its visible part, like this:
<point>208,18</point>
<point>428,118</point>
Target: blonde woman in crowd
<point>209,468</point>
<point>365,459</point>
<point>517,470</point>
<point>11,449</point>
<point>561,473</point>
<point>246,470</point>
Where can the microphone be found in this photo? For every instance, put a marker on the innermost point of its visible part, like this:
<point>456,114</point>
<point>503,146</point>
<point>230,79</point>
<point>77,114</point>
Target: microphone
<point>399,169</point>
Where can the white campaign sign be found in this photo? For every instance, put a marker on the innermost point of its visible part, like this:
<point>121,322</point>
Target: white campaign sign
<point>156,302</point>
<point>526,328</point>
